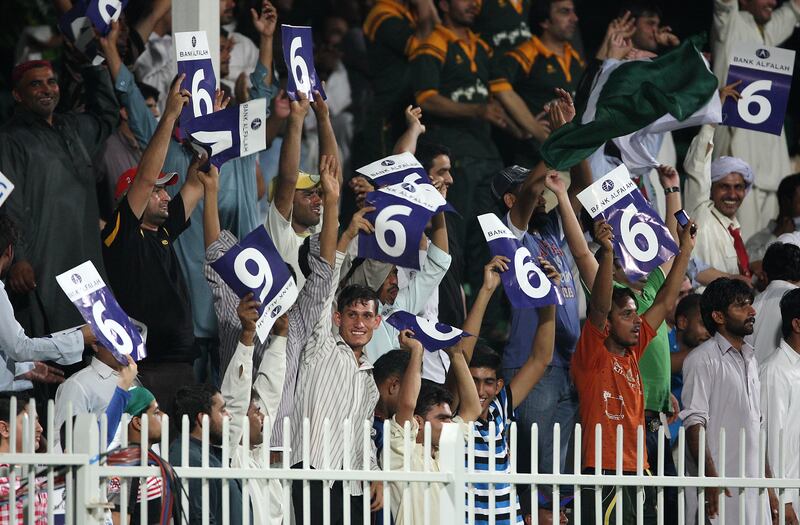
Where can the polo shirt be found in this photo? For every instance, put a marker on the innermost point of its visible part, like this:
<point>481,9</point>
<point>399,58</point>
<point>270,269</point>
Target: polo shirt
<point>504,23</point>
<point>147,280</point>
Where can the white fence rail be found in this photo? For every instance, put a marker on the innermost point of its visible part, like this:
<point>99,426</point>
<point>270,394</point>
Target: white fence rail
<point>85,468</point>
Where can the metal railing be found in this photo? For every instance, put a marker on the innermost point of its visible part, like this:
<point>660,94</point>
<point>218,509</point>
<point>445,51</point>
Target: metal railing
<point>84,471</point>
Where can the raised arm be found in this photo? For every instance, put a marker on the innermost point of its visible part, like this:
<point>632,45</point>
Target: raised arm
<point>289,162</point>
<point>265,24</point>
<point>153,157</point>
<point>412,379</point>
<point>146,25</point>
<point>327,140</point>
<point>328,168</point>
<point>211,227</point>
<point>192,190</point>
<point>439,232</point>
<point>527,197</point>
<point>600,302</point>
<point>271,374</point>
<point>670,182</point>
<point>541,348</point>
<point>668,294</point>
<point>472,324</point>
<point>414,128</point>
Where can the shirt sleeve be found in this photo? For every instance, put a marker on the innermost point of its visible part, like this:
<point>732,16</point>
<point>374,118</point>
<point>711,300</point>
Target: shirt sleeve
<point>698,169</point>
<point>323,330</point>
<point>177,221</point>
<point>259,88</point>
<point>236,385</point>
<point>312,297</point>
<point>140,118</point>
<point>391,31</point>
<point>415,296</point>
<point>101,115</point>
<point>782,24</point>
<point>696,394</point>
<point>504,69</point>
<point>426,70</point>
<point>281,232</point>
<point>590,349</point>
<point>122,226</point>
<point>270,377</point>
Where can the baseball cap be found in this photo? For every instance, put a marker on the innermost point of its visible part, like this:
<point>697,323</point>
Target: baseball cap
<point>139,402</point>
<point>305,181</point>
<point>126,179</point>
<point>508,179</point>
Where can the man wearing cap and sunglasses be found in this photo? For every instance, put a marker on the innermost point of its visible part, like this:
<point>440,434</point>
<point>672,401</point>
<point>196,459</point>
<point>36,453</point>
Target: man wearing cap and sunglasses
<point>143,268</point>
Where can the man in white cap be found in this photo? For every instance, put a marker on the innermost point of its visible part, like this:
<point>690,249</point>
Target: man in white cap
<point>714,193</point>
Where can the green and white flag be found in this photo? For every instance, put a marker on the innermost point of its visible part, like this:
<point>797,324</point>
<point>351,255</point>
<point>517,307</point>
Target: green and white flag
<point>630,99</point>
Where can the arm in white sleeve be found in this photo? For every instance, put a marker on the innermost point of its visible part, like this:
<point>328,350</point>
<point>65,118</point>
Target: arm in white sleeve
<point>696,394</point>
<point>270,377</point>
<point>781,25</point>
<point>415,296</point>
<point>697,165</point>
<point>235,390</point>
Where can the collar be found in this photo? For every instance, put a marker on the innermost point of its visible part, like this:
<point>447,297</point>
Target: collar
<point>725,346</point>
<point>546,52</point>
<point>396,7</point>
<point>469,46</point>
<point>779,285</point>
<point>25,116</point>
<point>363,363</point>
<point>791,354</point>
<point>102,369</point>
<point>723,219</point>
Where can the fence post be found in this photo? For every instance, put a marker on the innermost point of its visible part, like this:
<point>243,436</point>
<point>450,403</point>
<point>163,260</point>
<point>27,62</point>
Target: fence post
<point>88,509</point>
<point>451,460</point>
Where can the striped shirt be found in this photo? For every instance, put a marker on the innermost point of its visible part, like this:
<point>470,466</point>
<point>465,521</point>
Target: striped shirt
<point>332,384</point>
<point>501,412</point>
<point>40,504</point>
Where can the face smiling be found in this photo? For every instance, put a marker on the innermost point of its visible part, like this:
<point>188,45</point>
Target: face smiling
<point>728,193</point>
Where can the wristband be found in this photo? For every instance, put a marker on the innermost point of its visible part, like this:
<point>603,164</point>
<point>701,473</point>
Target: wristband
<point>674,189</point>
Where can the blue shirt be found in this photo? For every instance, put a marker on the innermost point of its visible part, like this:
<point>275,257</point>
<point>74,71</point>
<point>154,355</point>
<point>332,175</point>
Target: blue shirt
<point>550,243</point>
<point>676,386</point>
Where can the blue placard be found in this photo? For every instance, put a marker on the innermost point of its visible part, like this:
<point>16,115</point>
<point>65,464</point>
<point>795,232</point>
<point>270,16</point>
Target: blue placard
<point>433,336</point>
<point>254,266</point>
<point>110,324</point>
<point>298,53</point>
<point>103,12</point>
<point>766,79</point>
<point>77,27</point>
<point>395,169</point>
<point>233,132</point>
<point>194,60</point>
<point>642,241</point>
<point>525,283</point>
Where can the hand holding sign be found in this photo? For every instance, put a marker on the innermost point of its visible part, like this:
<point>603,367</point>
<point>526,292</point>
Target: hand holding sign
<point>232,132</point>
<point>248,316</point>
<point>431,335</point>
<point>298,53</point>
<point>194,61</point>
<point>408,342</point>
<point>103,12</point>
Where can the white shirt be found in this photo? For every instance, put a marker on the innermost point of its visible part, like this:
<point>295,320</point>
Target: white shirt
<point>286,240</point>
<point>780,407</point>
<point>244,56</point>
<point>767,330</point>
<point>157,66</point>
<point>17,350</point>
<point>721,389</point>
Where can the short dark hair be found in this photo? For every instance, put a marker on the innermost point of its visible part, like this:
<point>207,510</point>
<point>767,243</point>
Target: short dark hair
<point>392,363</point>
<point>540,13</point>
<point>782,262</point>
<point>639,8</point>
<point>786,191</point>
<point>356,294</point>
<point>192,400</point>
<point>485,357</point>
<point>8,232</point>
<point>147,91</point>
<point>690,303</point>
<point>427,151</point>
<point>718,296</point>
<point>5,406</point>
<point>430,395</point>
<point>790,310</point>
<point>620,293</point>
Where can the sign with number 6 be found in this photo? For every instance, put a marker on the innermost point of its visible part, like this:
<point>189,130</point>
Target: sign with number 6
<point>254,266</point>
<point>642,241</point>
<point>194,60</point>
<point>298,53</point>
<point>766,79</point>
<point>110,324</point>
<point>433,336</point>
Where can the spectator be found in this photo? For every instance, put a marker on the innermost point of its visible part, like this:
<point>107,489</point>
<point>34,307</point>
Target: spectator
<point>393,30</point>
<point>156,65</point>
<point>779,374</point>
<point>782,271</point>
<point>504,24</point>
<point>198,402</point>
<point>21,356</point>
<point>721,389</point>
<point>244,54</point>
<point>388,372</point>
<point>138,248</point>
<point>605,368</point>
<point>48,156</point>
<point>753,21</point>
<point>649,34</point>
<point>714,194</point>
<point>7,420</point>
<point>544,509</point>
<point>787,221</point>
<point>527,77</point>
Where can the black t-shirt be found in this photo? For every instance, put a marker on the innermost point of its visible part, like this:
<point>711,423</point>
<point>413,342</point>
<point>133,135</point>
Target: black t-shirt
<point>147,280</point>
<point>451,302</point>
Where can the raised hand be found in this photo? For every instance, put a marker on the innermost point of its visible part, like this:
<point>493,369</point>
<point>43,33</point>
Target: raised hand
<point>127,374</point>
<point>265,22</point>
<point>730,91</point>
<point>414,119</point>
<point>328,166</point>
<point>108,43</point>
<point>687,236</point>
<point>176,99</point>
<point>666,38</point>
<point>407,341</point>
<point>359,224</point>
<point>492,271</point>
<point>550,271</point>
<point>554,183</point>
<point>299,108</point>
<point>320,107</point>
<point>668,176</point>
<point>220,100</point>
<point>209,179</point>
<point>604,234</point>
<point>247,311</point>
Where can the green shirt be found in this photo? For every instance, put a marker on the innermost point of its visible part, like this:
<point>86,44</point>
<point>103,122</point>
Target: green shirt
<point>504,23</point>
<point>459,70</point>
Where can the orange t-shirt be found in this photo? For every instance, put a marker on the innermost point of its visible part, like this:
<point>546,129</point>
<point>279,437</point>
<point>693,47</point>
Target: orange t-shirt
<point>610,393</point>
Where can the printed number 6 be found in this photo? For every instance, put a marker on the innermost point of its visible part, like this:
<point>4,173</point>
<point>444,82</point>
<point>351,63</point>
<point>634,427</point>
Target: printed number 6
<point>384,224</point>
<point>262,277</point>
<point>523,266</point>
<point>299,66</point>
<point>109,10</point>
<point>749,97</point>
<point>629,234</point>
<point>200,95</point>
<point>429,327</point>
<point>112,330</point>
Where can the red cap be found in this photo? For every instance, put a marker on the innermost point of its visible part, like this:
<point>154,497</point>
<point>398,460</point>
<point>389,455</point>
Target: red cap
<point>126,179</point>
<point>21,69</point>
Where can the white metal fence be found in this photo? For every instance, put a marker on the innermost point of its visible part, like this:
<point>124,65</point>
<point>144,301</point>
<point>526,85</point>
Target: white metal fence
<point>86,466</point>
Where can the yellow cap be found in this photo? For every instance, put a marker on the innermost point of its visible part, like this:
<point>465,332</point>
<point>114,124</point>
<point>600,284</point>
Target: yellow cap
<point>305,181</point>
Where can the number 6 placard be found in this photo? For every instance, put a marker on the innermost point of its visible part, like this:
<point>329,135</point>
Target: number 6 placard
<point>298,53</point>
<point>642,241</point>
<point>254,266</point>
<point>112,326</point>
<point>194,60</point>
<point>766,78</point>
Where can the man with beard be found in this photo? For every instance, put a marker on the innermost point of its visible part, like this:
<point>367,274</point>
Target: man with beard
<point>197,402</point>
<point>721,389</point>
<point>782,270</point>
<point>553,399</point>
<point>649,34</point>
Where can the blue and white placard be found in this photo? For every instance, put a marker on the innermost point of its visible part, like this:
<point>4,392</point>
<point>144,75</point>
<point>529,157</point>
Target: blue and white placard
<point>76,26</point>
<point>401,213</point>
<point>394,169</point>
<point>6,187</point>
<point>642,241</point>
<point>766,75</point>
<point>103,12</point>
<point>298,53</point>
<point>233,132</point>
<point>433,336</point>
<point>110,324</point>
<point>525,282</point>
<point>254,266</point>
<point>194,60</point>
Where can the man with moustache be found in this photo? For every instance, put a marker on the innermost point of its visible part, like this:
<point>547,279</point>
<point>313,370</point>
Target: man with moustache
<point>721,389</point>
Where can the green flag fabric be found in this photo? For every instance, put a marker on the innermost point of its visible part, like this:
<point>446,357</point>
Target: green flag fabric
<point>629,96</point>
